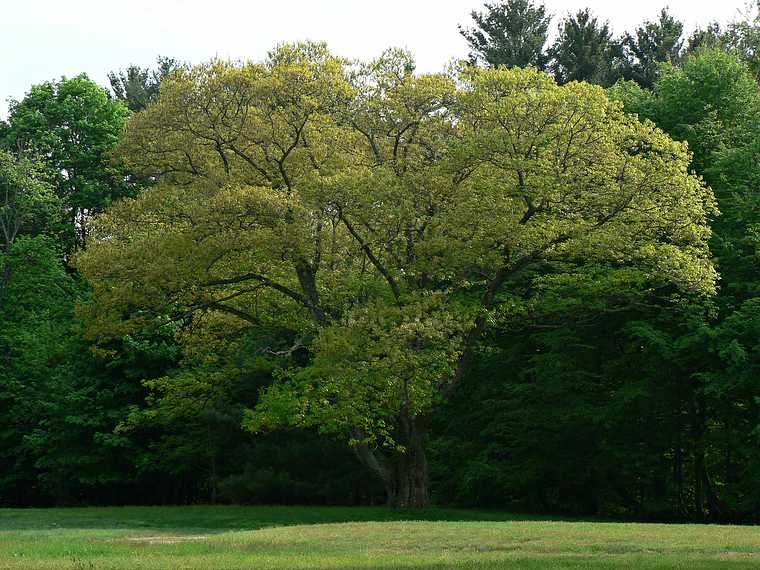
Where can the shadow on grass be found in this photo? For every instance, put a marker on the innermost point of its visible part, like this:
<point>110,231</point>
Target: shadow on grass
<point>225,518</point>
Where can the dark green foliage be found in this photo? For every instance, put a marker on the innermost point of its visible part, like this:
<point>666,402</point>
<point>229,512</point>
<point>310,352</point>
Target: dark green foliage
<point>714,103</point>
<point>73,125</point>
<point>709,37</point>
<point>297,468</point>
<point>742,37</point>
<point>137,86</point>
<point>619,399</point>
<point>189,424</point>
<point>651,45</point>
<point>510,32</point>
<point>585,51</point>
<point>34,323</point>
<point>560,414</point>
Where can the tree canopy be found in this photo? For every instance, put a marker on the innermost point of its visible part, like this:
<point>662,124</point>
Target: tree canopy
<point>72,125</point>
<point>380,216</point>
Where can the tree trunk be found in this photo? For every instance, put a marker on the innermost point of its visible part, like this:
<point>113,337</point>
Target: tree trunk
<point>407,485</point>
<point>697,432</point>
<point>5,280</point>
<point>404,474</point>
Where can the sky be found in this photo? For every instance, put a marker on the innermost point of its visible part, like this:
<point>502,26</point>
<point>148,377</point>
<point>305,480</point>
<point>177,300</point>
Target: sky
<point>46,39</point>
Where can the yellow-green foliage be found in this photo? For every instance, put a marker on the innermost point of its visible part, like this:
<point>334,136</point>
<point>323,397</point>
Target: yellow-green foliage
<point>374,210</point>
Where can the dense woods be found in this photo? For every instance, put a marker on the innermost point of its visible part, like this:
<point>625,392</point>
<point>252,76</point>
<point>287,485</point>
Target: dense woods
<point>530,281</point>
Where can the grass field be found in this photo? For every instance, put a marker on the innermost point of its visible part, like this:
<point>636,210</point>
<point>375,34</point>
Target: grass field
<point>283,538</point>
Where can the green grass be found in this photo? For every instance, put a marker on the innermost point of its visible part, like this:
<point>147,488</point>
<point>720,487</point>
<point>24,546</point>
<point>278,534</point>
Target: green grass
<point>371,538</point>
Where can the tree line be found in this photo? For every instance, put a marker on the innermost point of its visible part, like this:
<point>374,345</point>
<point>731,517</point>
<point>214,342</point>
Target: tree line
<point>530,282</point>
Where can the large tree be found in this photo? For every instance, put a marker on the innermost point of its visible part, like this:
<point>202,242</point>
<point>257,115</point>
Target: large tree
<point>511,33</point>
<point>382,218</point>
<point>73,125</point>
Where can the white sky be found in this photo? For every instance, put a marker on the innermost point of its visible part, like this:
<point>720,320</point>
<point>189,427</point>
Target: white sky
<point>47,39</point>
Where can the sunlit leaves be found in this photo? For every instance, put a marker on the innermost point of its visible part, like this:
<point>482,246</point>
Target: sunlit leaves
<point>377,214</point>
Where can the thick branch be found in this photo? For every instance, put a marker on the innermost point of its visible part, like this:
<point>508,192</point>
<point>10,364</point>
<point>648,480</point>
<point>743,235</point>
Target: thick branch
<point>295,295</point>
<point>306,278</point>
<point>237,312</point>
<point>449,383</point>
<point>371,256</point>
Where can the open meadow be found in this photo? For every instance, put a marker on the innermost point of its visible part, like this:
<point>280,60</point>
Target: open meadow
<point>315,537</point>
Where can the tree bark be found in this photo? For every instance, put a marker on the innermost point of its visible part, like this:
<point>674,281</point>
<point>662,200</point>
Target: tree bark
<point>5,280</point>
<point>404,474</point>
<point>408,484</point>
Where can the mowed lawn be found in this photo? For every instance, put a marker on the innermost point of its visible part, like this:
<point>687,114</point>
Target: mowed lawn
<point>313,537</point>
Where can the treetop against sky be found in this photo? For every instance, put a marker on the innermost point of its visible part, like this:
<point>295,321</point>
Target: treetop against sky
<point>95,37</point>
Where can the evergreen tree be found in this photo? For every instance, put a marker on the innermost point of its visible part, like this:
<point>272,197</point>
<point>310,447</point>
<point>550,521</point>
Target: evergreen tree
<point>651,45</point>
<point>709,37</point>
<point>137,86</point>
<point>585,51</point>
<point>511,33</point>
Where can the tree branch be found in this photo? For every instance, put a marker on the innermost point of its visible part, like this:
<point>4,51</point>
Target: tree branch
<point>371,256</point>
